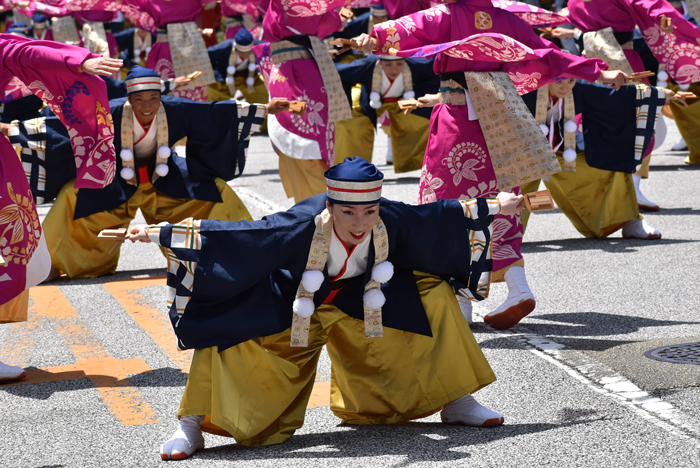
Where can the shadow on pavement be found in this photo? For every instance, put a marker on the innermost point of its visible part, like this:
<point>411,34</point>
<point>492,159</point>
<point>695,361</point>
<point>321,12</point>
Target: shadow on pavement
<point>404,181</point>
<point>675,168</point>
<point>118,276</point>
<point>611,245</point>
<point>416,441</point>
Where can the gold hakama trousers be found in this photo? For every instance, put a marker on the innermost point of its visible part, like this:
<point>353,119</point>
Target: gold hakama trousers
<point>597,202</point>
<point>688,122</point>
<point>409,135</point>
<point>302,178</point>
<point>15,310</point>
<point>257,392</point>
<point>73,243</point>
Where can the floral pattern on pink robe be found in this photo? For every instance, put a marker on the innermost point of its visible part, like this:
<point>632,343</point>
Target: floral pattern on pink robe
<point>80,101</point>
<point>457,163</point>
<point>679,52</point>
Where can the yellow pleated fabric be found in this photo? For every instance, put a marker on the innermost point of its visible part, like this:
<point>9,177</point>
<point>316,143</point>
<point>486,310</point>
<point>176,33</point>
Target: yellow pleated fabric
<point>302,178</point>
<point>409,135</point>
<point>15,310</point>
<point>258,391</point>
<point>597,202</point>
<point>688,122</point>
<point>76,250</point>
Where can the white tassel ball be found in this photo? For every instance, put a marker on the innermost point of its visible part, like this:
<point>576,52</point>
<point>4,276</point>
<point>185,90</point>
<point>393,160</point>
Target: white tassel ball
<point>684,87</point>
<point>231,70</point>
<point>312,280</point>
<point>229,81</point>
<point>409,95</point>
<point>662,84</point>
<point>250,81</point>
<point>383,272</point>
<point>162,170</point>
<point>126,154</point>
<point>303,307</point>
<point>148,49</point>
<point>570,126</point>
<point>569,155</point>
<point>545,129</point>
<point>127,173</point>
<point>662,75</point>
<point>252,66</point>
<point>164,152</point>
<point>374,299</point>
<point>137,52</point>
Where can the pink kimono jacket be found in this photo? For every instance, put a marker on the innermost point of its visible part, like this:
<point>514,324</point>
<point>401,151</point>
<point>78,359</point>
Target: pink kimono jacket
<point>678,52</point>
<point>457,163</point>
<point>241,7</point>
<point>80,101</point>
<point>300,79</point>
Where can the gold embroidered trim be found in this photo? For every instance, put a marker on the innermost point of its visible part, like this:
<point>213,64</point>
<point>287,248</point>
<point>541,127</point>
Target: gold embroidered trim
<point>64,30</point>
<point>452,98</point>
<point>517,147</point>
<point>603,45</point>
<point>189,53</point>
<point>373,317</point>
<point>127,134</point>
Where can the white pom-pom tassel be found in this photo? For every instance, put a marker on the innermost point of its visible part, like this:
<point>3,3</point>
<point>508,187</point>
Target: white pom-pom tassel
<point>383,272</point>
<point>662,84</point>
<point>250,81</point>
<point>231,70</point>
<point>375,104</point>
<point>569,155</point>
<point>374,299</point>
<point>162,170</point>
<point>374,96</point>
<point>312,280</point>
<point>164,152</point>
<point>137,52</point>
<point>304,307</point>
<point>252,66</point>
<point>409,95</point>
<point>684,87</point>
<point>127,173</point>
<point>148,49</point>
<point>570,126</point>
<point>126,154</point>
<point>545,129</point>
<point>662,75</point>
<point>229,81</point>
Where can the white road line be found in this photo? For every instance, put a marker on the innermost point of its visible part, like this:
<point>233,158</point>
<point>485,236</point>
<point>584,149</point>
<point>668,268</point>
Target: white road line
<point>251,198</point>
<point>604,380</point>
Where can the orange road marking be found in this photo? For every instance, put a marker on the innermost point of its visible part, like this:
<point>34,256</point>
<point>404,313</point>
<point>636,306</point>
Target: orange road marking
<point>157,324</point>
<point>126,402</point>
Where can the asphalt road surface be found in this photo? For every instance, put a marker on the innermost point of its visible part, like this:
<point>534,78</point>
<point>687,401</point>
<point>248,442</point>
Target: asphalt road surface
<point>575,387</point>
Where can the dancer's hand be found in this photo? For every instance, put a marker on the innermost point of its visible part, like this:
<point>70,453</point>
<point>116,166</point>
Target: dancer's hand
<point>429,100</point>
<point>181,81</point>
<point>562,33</point>
<point>510,203</point>
<point>614,78</point>
<point>139,234</point>
<point>277,105</point>
<point>366,43</point>
<point>101,66</point>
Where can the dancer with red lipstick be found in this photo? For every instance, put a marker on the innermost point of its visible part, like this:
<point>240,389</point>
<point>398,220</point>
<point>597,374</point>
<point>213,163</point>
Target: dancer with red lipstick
<point>258,301</point>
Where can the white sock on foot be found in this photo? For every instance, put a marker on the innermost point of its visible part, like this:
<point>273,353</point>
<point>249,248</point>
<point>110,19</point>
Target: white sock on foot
<point>639,229</point>
<point>641,199</point>
<point>520,301</point>
<point>466,306</point>
<point>389,151</point>
<point>8,373</point>
<point>680,146</point>
<point>468,411</point>
<point>186,440</point>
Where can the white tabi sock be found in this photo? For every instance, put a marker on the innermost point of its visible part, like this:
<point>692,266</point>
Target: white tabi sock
<point>187,439</point>
<point>519,304</point>
<point>641,199</point>
<point>389,151</point>
<point>639,229</point>
<point>466,306</point>
<point>680,146</point>
<point>8,373</point>
<point>466,410</point>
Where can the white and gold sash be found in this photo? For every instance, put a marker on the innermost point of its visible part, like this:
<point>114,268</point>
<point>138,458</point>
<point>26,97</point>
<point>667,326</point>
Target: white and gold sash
<point>127,135</point>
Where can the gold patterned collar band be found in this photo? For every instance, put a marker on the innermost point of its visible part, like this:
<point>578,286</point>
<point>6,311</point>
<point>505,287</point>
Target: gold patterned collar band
<point>355,181</point>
